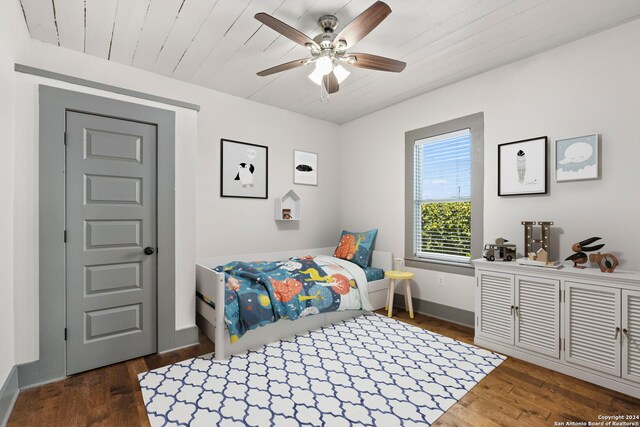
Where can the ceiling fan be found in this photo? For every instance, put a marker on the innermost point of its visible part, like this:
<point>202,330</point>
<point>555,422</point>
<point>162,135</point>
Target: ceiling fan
<point>329,50</point>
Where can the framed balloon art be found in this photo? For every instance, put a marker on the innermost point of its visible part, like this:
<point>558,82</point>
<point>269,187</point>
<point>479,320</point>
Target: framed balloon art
<point>522,167</point>
<point>243,170</point>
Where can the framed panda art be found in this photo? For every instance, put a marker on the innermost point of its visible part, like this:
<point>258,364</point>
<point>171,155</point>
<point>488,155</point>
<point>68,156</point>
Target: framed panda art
<point>243,170</point>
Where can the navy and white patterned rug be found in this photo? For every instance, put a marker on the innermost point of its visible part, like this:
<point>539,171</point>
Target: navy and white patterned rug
<point>367,371</point>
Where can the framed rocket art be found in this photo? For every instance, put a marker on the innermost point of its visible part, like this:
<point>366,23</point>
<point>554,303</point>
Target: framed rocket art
<point>522,167</point>
<point>243,170</point>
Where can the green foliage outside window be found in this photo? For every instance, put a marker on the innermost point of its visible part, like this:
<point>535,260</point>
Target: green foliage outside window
<point>446,228</point>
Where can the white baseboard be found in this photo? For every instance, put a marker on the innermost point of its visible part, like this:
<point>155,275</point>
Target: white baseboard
<point>8,395</point>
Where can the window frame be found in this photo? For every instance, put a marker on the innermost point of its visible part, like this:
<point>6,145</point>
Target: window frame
<point>475,124</point>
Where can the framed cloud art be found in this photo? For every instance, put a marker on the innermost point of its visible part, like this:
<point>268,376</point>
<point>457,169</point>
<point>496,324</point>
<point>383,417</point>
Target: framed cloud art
<point>577,158</point>
<point>522,167</point>
<point>243,170</point>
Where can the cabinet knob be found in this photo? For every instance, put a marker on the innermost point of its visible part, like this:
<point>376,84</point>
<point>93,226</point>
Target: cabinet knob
<point>512,307</point>
<point>626,333</point>
<point>617,332</point>
<point>517,311</point>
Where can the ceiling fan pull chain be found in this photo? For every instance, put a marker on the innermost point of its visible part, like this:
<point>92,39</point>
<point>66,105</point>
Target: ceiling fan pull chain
<point>322,96</point>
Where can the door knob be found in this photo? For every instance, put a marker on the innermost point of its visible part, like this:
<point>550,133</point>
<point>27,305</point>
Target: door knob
<point>149,250</point>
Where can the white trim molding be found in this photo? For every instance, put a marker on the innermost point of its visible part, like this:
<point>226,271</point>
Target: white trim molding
<point>8,395</point>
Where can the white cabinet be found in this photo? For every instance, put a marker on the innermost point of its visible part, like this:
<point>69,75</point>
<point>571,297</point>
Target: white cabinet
<point>592,327</point>
<point>583,323</point>
<point>537,310</point>
<point>520,311</point>
<point>631,335</point>
<point>496,307</point>
<point>603,329</point>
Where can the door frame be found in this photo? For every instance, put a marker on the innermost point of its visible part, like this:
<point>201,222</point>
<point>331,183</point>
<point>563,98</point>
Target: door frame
<point>54,104</point>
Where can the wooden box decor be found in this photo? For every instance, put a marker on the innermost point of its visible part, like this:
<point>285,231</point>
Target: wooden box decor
<point>606,262</point>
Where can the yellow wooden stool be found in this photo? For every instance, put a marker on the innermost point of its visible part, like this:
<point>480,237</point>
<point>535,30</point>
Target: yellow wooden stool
<point>399,275</point>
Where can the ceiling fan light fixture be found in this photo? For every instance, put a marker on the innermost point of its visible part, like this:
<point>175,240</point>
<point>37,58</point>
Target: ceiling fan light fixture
<point>341,73</point>
<point>316,77</point>
<point>329,50</point>
<point>324,65</point>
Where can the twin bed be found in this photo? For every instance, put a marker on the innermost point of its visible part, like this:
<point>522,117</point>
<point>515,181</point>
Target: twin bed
<point>281,296</point>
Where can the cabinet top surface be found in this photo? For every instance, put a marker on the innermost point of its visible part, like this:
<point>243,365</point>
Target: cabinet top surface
<point>566,271</point>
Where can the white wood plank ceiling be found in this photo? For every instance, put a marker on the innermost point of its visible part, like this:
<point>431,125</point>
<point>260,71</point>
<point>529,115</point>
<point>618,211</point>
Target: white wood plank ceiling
<point>218,44</point>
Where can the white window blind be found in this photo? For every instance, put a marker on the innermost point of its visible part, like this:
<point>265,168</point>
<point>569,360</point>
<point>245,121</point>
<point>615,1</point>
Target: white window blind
<point>442,197</point>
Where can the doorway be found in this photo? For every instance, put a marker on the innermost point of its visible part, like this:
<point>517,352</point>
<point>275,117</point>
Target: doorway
<point>106,232</point>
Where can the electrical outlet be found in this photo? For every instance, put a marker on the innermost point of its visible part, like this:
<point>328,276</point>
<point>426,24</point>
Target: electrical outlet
<point>440,280</point>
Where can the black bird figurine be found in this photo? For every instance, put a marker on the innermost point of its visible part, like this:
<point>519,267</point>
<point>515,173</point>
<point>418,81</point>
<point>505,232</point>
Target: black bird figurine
<point>580,248</point>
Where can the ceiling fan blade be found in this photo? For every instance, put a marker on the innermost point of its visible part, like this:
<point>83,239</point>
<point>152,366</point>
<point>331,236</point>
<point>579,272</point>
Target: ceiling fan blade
<point>285,30</point>
<point>375,62</point>
<point>331,83</point>
<point>364,23</point>
<point>284,67</point>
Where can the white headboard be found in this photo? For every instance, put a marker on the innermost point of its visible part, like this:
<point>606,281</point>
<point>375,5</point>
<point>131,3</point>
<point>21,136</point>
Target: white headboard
<point>379,259</point>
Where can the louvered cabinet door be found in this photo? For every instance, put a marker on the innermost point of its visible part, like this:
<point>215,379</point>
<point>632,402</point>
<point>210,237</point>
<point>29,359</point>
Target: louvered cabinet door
<point>495,320</point>
<point>631,338</point>
<point>592,316</point>
<point>538,315</point>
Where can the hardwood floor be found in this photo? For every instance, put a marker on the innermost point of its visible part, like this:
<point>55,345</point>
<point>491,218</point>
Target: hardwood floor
<point>108,396</point>
<point>516,393</point>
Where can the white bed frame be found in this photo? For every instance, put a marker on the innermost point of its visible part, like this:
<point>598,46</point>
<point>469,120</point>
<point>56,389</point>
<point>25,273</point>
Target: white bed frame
<point>212,285</point>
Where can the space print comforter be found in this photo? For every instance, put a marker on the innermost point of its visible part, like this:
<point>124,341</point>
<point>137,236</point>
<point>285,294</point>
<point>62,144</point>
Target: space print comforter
<point>259,293</point>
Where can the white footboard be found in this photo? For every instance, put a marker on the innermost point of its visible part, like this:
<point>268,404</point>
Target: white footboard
<point>211,284</point>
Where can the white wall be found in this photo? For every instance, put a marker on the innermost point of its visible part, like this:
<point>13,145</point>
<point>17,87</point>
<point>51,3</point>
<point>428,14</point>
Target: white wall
<point>7,95</point>
<point>588,86</point>
<point>221,226</point>
<point>237,226</point>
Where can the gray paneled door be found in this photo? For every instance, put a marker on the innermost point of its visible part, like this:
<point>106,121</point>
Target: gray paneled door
<point>111,240</point>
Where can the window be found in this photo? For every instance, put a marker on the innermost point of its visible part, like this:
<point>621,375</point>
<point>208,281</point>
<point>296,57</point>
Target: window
<point>444,192</point>
<point>442,196</point>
